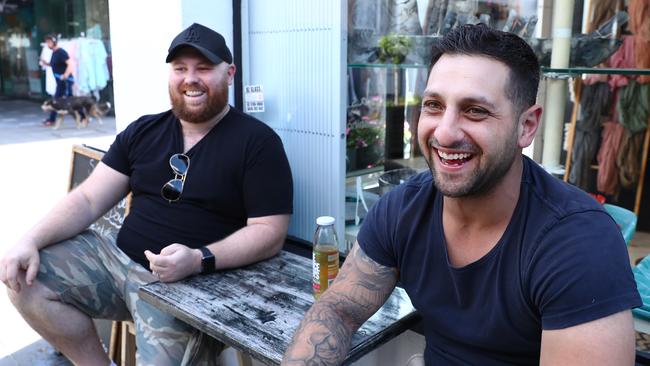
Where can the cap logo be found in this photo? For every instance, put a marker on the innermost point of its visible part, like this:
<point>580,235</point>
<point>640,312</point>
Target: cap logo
<point>191,36</point>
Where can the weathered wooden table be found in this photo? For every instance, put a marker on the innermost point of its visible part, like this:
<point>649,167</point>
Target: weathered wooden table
<point>257,308</point>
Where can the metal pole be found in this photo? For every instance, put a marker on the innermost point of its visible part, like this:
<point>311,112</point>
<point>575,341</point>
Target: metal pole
<point>556,91</point>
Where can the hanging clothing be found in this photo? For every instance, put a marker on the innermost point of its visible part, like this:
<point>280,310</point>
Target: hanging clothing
<point>594,111</point>
<point>434,16</point>
<point>607,181</point>
<point>93,69</point>
<point>603,10</point>
<point>623,58</point>
<point>403,17</point>
<point>628,159</point>
<point>50,82</point>
<point>633,113</point>
<point>639,11</point>
<point>633,106</point>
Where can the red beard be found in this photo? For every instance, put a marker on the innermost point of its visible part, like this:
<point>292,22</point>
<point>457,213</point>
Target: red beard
<point>217,100</point>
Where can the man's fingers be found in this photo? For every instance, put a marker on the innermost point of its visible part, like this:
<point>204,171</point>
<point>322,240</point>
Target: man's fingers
<point>152,260</point>
<point>3,273</point>
<point>156,262</point>
<point>12,278</point>
<point>150,256</point>
<point>170,249</point>
<point>32,271</point>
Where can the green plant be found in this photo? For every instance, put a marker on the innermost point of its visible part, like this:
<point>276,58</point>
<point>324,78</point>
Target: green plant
<point>394,48</point>
<point>359,136</point>
<point>364,127</point>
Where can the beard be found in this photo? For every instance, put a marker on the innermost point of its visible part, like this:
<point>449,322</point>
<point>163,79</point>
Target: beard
<point>216,102</point>
<point>484,178</point>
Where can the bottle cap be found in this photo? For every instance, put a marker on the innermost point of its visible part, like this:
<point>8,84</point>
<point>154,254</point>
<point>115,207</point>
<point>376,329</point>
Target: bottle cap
<point>325,220</point>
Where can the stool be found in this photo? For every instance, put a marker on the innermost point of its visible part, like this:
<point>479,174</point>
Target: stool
<point>122,345</point>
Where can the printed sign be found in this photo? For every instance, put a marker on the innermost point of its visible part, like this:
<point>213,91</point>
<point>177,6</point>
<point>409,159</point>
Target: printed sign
<point>253,99</point>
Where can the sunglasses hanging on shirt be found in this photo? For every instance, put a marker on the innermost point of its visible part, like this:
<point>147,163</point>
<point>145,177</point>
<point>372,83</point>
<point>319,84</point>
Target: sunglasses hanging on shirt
<point>172,190</point>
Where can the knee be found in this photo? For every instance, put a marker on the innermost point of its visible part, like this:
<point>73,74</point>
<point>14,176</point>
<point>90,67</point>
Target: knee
<point>29,297</point>
<point>18,298</point>
<point>13,296</point>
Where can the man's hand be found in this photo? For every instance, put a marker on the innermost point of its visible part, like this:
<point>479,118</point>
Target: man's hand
<point>175,262</point>
<point>23,257</point>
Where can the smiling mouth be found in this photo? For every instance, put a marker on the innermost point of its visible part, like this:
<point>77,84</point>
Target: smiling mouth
<point>193,93</point>
<point>455,159</point>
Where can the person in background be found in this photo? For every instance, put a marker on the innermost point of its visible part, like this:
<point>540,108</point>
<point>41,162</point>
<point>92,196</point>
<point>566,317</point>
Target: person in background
<point>61,65</point>
<point>506,264</point>
<point>211,189</point>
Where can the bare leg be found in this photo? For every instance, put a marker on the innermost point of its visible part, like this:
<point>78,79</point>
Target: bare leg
<point>69,330</point>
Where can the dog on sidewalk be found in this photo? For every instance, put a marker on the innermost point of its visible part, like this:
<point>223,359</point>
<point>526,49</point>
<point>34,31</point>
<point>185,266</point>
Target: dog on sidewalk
<point>76,107</point>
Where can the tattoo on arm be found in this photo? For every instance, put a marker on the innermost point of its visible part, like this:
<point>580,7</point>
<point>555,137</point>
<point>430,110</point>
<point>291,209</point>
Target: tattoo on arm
<point>324,335</point>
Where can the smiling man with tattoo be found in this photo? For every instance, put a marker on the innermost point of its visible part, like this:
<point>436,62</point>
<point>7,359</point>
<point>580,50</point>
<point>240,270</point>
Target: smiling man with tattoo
<point>506,264</point>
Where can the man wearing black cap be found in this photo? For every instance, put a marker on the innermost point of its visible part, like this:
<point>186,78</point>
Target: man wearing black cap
<point>212,190</point>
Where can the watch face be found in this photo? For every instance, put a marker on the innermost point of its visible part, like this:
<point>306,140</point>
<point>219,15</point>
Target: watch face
<point>208,261</point>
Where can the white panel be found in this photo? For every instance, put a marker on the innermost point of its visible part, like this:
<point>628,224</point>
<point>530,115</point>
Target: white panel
<point>295,49</point>
<point>139,50</point>
<point>215,14</point>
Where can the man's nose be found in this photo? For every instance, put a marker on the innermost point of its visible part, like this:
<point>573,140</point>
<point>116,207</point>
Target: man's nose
<point>448,130</point>
<point>191,76</point>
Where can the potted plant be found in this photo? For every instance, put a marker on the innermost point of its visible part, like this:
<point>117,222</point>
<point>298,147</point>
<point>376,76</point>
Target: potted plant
<point>393,48</point>
<point>364,134</point>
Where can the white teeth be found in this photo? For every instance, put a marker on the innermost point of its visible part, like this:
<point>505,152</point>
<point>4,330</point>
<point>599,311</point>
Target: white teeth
<point>193,93</point>
<point>453,156</point>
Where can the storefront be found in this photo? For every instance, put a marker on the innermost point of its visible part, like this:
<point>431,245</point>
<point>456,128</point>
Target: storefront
<point>369,81</point>
<point>24,23</point>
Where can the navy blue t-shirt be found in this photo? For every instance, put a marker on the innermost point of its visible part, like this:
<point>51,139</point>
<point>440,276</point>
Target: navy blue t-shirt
<point>58,61</point>
<point>561,261</point>
<point>237,171</point>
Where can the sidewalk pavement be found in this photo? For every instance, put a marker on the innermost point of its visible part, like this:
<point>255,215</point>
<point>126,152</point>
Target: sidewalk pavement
<point>35,163</point>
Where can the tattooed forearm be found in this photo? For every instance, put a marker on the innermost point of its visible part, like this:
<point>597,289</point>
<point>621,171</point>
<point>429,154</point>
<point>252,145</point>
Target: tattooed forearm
<point>324,335</point>
<point>370,282</point>
<point>321,339</point>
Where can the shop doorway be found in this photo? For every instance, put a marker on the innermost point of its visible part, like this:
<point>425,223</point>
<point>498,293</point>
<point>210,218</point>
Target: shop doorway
<point>24,23</point>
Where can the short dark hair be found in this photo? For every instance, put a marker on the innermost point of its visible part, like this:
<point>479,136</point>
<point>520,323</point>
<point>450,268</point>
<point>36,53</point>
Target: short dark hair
<point>51,37</point>
<point>514,52</point>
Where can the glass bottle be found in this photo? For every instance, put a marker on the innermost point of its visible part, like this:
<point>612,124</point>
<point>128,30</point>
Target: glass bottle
<point>325,255</point>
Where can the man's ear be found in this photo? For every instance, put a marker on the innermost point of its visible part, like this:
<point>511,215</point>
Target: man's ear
<point>527,125</point>
<point>232,69</point>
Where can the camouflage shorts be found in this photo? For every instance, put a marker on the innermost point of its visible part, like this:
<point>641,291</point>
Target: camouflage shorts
<point>92,274</point>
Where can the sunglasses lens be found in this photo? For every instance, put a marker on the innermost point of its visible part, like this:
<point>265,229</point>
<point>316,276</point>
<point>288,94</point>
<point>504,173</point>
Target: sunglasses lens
<point>179,163</point>
<point>172,190</point>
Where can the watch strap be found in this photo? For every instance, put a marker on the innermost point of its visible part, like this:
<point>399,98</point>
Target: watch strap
<point>207,261</point>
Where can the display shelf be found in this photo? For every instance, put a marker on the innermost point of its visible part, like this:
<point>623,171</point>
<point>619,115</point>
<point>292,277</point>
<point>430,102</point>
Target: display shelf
<point>388,66</point>
<point>575,71</point>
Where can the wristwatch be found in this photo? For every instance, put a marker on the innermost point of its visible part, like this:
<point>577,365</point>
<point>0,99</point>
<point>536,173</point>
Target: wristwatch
<point>207,261</point>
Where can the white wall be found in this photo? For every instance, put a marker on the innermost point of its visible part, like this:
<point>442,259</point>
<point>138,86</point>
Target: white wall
<point>296,50</point>
<point>141,32</point>
<point>215,14</point>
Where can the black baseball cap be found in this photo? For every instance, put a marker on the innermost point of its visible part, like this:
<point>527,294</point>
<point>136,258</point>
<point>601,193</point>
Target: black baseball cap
<point>211,44</point>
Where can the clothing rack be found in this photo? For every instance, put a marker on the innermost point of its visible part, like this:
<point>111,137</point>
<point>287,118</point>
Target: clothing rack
<point>575,73</point>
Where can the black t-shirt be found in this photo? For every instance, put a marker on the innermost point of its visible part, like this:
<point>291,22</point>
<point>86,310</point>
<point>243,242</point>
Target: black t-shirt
<point>58,61</point>
<point>561,262</point>
<point>237,171</point>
